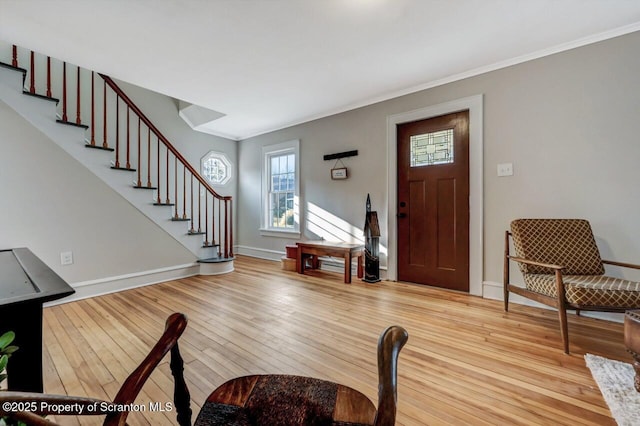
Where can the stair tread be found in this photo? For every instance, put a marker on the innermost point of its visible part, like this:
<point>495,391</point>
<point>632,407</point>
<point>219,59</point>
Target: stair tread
<point>196,233</point>
<point>68,123</point>
<point>145,187</point>
<point>88,145</point>
<point>180,219</point>
<point>39,96</point>
<point>216,260</point>
<point>11,67</point>
<point>127,169</point>
<point>164,204</point>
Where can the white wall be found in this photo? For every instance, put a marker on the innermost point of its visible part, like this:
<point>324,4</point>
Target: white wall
<point>569,123</point>
<point>163,112</point>
<point>65,207</point>
<point>341,201</point>
<point>51,203</point>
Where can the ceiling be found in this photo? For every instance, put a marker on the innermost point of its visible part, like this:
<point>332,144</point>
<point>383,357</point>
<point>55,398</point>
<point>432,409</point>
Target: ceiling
<point>269,64</point>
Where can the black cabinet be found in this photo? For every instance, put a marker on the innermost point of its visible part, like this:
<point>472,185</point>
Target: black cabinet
<point>25,284</point>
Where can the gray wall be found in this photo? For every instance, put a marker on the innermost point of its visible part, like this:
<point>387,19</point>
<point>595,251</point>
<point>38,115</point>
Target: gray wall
<point>51,203</point>
<point>569,123</point>
<point>163,112</point>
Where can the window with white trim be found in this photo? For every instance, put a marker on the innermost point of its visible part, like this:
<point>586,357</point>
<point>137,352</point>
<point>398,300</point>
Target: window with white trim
<point>280,188</point>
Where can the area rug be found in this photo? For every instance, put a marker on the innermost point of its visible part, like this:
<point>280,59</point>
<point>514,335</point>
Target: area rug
<point>615,380</point>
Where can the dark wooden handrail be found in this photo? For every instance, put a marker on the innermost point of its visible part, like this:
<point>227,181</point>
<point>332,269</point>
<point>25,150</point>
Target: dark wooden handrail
<point>160,136</point>
<point>217,231</point>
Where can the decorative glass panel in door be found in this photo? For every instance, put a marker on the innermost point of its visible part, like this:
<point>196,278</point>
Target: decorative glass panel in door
<point>429,149</point>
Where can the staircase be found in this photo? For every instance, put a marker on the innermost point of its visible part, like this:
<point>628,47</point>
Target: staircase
<point>94,120</point>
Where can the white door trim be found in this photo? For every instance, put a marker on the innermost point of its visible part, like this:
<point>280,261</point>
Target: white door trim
<point>475,106</point>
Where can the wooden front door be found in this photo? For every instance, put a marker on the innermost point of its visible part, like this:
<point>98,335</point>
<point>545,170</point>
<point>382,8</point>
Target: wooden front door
<point>433,201</point>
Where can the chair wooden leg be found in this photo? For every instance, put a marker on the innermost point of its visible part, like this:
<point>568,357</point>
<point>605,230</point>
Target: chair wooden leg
<point>564,329</point>
<point>562,312</point>
<point>505,272</point>
<point>506,297</point>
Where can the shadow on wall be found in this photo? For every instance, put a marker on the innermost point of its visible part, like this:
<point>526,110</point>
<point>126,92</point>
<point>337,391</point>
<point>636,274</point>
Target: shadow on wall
<point>327,226</point>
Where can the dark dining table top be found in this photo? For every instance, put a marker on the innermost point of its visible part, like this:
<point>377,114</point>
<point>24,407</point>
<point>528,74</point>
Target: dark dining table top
<point>282,400</point>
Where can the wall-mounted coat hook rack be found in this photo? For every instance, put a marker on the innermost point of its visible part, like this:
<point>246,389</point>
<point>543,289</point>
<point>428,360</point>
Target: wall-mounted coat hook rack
<point>341,155</point>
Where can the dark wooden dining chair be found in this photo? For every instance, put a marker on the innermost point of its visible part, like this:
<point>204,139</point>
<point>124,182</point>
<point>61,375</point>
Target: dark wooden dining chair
<point>174,327</point>
<point>269,400</point>
<point>285,400</point>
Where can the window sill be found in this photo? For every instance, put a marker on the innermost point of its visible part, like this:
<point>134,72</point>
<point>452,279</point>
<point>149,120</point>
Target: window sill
<point>280,233</point>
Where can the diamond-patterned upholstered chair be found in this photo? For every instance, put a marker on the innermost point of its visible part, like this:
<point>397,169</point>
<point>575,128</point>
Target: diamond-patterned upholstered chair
<point>561,267</point>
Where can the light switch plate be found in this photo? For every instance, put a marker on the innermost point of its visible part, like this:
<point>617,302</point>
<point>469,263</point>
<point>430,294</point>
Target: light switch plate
<point>66,258</point>
<point>505,169</point>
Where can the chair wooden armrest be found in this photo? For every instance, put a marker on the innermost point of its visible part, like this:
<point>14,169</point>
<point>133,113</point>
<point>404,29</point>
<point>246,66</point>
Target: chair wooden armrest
<point>571,243</point>
<point>535,263</point>
<point>30,406</point>
<point>623,264</point>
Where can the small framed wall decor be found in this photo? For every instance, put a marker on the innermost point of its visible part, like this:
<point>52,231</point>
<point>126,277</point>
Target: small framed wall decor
<point>339,173</point>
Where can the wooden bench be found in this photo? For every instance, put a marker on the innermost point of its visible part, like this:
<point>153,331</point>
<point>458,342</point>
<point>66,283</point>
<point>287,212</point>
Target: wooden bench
<point>325,248</point>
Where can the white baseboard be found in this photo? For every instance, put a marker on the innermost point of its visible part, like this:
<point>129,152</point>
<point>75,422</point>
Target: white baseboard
<point>494,290</point>
<point>217,268</point>
<point>86,289</point>
<point>259,253</point>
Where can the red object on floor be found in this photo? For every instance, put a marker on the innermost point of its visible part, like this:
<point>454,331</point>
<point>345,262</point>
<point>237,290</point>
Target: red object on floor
<point>292,252</point>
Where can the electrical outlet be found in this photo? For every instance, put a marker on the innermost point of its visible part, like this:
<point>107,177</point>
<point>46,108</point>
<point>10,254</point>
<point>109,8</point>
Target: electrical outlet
<point>505,169</point>
<point>66,258</point>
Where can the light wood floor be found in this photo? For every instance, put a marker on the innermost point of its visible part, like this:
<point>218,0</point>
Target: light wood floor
<point>466,361</point>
